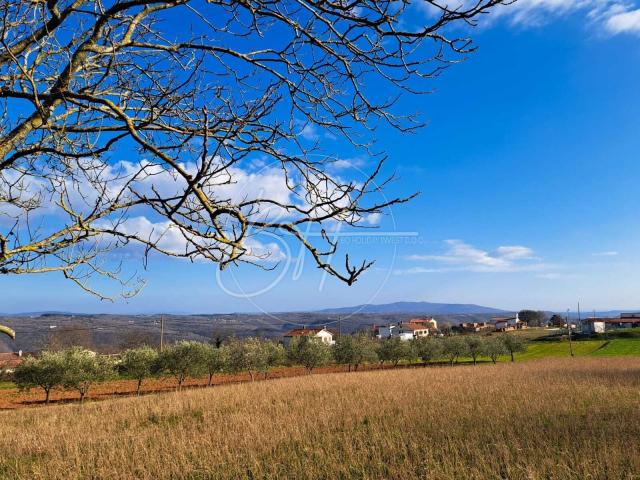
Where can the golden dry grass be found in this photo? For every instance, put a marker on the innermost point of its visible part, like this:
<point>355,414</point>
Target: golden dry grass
<point>555,418</point>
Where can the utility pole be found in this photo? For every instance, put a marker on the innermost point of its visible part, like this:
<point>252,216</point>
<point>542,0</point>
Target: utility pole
<point>579,319</point>
<point>569,327</point>
<point>161,332</point>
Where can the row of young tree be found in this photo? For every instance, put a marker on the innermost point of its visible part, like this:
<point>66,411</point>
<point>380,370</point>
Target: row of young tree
<point>78,369</point>
<point>355,350</point>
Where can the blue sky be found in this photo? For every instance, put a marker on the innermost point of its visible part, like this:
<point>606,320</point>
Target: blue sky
<point>528,174</point>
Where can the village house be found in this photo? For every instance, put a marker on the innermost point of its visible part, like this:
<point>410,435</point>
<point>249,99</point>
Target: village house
<point>9,361</point>
<point>322,334</point>
<point>602,324</point>
<point>472,327</point>
<point>594,325</point>
<point>414,328</point>
<point>505,324</point>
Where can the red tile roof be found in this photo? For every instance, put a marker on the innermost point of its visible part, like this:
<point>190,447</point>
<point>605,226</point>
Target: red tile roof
<point>10,360</point>
<point>303,332</point>
<point>421,320</point>
<point>613,320</point>
<point>413,326</point>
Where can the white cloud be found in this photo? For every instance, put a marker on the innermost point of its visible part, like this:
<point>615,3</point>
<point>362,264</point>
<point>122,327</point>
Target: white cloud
<point>515,253</point>
<point>530,13</point>
<point>611,17</point>
<point>169,238</point>
<point>264,252</point>
<point>624,22</point>
<point>558,276</point>
<point>419,270</point>
<point>611,253</point>
<point>230,187</point>
<point>310,132</point>
<point>464,257</point>
<point>373,218</point>
<point>344,163</point>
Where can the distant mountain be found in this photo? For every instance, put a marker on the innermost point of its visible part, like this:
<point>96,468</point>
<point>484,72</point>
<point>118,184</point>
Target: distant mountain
<point>40,314</point>
<point>418,308</point>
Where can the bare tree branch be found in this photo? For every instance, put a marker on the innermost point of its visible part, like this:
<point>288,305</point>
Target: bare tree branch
<point>114,112</point>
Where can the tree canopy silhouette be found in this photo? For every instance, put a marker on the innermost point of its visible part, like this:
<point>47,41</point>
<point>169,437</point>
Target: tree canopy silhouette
<point>193,128</point>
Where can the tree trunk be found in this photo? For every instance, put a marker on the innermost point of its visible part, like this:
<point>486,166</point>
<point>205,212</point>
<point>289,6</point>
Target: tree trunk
<point>252,375</point>
<point>493,360</point>
<point>82,394</point>
<point>47,391</point>
<point>349,367</point>
<point>512,359</point>
<point>474,360</point>
<point>138,389</point>
<point>210,379</point>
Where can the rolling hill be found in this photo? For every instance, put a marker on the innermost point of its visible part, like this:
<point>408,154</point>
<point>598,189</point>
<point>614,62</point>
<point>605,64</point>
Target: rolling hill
<point>417,308</point>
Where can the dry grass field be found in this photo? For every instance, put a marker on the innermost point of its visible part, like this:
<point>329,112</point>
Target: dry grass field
<point>550,419</point>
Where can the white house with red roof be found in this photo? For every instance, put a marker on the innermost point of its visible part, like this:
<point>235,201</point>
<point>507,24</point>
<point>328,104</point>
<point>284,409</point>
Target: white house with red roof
<point>505,324</point>
<point>322,334</point>
<point>603,324</point>
<point>414,328</point>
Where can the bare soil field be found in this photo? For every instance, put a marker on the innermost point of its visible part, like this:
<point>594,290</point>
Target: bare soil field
<point>11,397</point>
<point>562,418</point>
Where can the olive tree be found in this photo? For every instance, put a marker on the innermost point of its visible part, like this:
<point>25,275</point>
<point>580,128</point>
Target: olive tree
<point>139,363</point>
<point>184,359</point>
<point>428,349</point>
<point>494,347</point>
<point>454,347</point>
<point>197,95</point>
<point>216,360</point>
<point>394,350</point>
<point>83,368</point>
<point>354,350</point>
<point>248,355</point>
<point>274,355</point>
<point>46,372</point>
<point>309,352</point>
<point>475,346</point>
<point>513,344</point>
